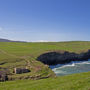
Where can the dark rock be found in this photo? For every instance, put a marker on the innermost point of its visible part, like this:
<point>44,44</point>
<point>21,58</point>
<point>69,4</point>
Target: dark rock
<point>59,57</point>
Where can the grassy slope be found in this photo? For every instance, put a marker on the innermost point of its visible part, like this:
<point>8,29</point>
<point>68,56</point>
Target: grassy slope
<point>17,54</point>
<point>30,51</point>
<point>14,54</point>
<point>79,81</point>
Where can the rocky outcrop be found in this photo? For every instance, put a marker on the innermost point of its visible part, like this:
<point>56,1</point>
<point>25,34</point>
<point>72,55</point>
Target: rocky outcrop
<point>59,57</point>
<point>3,76</point>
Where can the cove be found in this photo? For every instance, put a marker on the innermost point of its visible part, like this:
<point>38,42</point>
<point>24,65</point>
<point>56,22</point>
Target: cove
<point>65,63</point>
<point>71,68</point>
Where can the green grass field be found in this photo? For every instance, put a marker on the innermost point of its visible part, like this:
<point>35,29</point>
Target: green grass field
<point>72,82</point>
<point>13,54</point>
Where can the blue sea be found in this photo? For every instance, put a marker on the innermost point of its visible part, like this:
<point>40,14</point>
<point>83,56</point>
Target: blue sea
<point>70,68</point>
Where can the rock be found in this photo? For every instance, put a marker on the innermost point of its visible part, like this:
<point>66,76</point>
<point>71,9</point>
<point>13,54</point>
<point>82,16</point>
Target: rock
<point>59,57</point>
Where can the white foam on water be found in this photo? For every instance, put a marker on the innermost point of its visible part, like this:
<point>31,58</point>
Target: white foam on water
<point>57,72</point>
<point>62,66</point>
<point>61,69</point>
<point>73,63</point>
<point>68,65</point>
<point>83,63</point>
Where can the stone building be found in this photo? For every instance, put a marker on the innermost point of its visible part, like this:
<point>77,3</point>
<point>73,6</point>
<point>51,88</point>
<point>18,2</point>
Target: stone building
<point>21,70</point>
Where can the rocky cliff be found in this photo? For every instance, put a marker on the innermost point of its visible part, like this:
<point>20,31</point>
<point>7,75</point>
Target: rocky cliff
<point>59,57</point>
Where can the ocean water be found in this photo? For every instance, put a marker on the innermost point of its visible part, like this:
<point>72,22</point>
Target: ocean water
<point>70,68</point>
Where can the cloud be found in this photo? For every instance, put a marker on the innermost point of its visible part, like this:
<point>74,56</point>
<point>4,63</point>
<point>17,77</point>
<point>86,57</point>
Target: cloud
<point>40,41</point>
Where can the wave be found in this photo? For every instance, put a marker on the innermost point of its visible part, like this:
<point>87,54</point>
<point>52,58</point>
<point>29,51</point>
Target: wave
<point>58,72</point>
<point>72,64</point>
<point>68,65</point>
<point>84,63</point>
<point>70,68</point>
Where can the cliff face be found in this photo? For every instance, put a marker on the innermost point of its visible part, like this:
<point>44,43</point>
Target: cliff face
<point>58,57</point>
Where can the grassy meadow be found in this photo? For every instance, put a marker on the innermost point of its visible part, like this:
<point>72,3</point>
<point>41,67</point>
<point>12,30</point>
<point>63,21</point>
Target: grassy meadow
<point>18,54</point>
<point>79,81</point>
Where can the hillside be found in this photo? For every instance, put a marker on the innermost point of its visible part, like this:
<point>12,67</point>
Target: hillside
<point>72,82</point>
<point>22,55</point>
<point>7,40</point>
<point>4,40</point>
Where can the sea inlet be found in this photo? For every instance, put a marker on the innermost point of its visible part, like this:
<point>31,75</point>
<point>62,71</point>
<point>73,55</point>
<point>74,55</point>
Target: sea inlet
<point>70,68</point>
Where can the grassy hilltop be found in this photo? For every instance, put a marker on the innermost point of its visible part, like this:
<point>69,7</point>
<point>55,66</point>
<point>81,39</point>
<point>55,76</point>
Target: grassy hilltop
<point>21,54</point>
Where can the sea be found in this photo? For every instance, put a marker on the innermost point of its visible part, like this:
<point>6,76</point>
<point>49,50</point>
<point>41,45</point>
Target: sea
<point>71,68</point>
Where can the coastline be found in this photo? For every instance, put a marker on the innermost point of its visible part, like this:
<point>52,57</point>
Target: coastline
<point>63,57</point>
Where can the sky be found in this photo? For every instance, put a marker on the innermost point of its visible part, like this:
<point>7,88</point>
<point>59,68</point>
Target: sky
<point>45,20</point>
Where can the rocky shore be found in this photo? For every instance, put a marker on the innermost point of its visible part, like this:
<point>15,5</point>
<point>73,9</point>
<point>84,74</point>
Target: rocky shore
<point>62,57</point>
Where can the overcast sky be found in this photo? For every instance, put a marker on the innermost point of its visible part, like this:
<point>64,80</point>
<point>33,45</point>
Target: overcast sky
<point>45,20</point>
